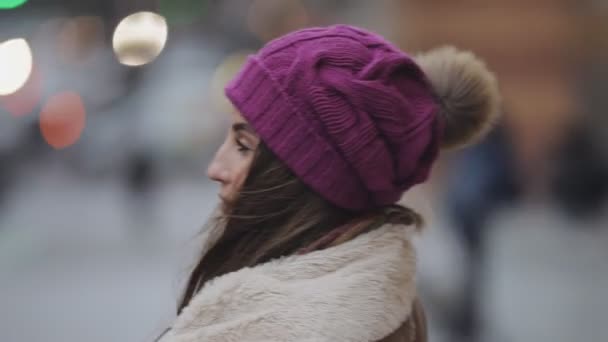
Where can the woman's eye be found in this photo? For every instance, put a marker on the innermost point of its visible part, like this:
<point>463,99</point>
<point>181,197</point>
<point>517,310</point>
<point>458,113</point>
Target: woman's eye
<point>241,147</point>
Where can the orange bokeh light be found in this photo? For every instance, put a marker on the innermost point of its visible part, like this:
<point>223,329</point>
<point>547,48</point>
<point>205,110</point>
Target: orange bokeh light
<point>62,119</point>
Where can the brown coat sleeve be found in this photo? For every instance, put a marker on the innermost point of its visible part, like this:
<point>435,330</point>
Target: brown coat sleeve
<point>413,329</point>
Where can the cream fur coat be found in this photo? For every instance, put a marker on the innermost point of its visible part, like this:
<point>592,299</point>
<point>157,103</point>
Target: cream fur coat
<point>361,290</point>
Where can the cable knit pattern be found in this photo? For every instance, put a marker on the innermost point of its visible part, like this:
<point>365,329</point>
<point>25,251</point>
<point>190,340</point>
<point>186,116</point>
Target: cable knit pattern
<point>350,114</point>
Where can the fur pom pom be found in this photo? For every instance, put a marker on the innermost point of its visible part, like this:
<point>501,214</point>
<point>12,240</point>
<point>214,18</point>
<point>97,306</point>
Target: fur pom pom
<point>468,93</point>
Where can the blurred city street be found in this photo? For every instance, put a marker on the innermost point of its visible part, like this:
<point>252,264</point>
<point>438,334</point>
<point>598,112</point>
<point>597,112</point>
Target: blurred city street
<point>110,111</point>
<point>77,265</point>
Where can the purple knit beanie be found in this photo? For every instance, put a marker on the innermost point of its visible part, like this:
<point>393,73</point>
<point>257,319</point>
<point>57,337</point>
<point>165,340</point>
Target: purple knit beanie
<point>352,116</point>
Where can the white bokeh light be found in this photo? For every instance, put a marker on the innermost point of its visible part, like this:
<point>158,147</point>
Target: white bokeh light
<point>139,38</point>
<point>15,65</point>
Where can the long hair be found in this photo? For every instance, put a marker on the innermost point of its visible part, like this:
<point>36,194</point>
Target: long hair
<point>273,215</point>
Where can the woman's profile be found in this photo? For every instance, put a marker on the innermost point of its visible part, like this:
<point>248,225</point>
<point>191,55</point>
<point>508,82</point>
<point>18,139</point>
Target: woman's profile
<point>331,125</point>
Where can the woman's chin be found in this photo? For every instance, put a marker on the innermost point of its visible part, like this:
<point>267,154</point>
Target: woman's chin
<point>224,203</point>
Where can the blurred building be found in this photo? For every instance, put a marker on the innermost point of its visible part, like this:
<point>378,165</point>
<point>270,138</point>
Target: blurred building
<point>80,261</point>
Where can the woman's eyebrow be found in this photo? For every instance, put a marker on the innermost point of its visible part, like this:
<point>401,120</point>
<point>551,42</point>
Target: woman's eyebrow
<point>242,126</point>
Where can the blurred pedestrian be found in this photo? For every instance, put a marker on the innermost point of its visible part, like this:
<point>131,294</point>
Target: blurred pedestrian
<point>331,126</point>
<point>141,180</point>
<point>482,180</point>
<point>580,174</point>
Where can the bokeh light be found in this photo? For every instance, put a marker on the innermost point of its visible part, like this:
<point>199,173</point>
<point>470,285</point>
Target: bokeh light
<point>15,65</point>
<point>27,98</point>
<point>139,38</point>
<point>62,119</point>
<point>222,75</point>
<point>9,4</point>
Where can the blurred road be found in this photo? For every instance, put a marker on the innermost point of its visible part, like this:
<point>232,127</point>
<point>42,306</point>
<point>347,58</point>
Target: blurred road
<point>77,265</point>
<point>547,277</point>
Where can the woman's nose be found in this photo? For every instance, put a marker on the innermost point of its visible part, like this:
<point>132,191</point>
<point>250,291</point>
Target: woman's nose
<point>216,172</point>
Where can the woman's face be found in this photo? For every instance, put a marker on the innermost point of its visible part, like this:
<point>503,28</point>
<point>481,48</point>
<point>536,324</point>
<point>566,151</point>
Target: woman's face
<point>233,159</point>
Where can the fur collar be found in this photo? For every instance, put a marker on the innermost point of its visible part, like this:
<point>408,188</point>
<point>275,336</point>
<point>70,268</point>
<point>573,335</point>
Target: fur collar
<point>361,290</point>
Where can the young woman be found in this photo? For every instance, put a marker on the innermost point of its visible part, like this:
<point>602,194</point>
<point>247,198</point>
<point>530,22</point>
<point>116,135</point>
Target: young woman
<point>331,126</point>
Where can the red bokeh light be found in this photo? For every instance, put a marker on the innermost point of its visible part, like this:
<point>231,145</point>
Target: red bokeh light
<point>62,119</point>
